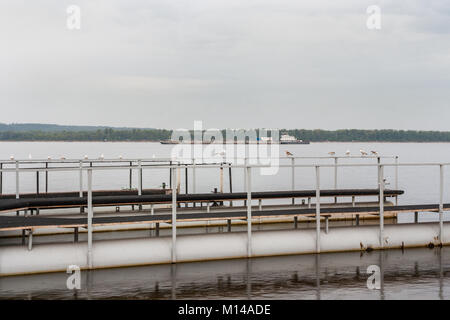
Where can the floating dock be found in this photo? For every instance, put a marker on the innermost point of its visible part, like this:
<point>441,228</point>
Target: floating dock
<point>22,215</point>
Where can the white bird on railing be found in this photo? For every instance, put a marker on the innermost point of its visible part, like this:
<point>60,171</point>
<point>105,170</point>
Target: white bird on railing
<point>363,153</point>
<point>289,154</point>
<point>29,156</point>
<point>49,158</point>
<point>153,156</point>
<point>102,157</point>
<point>332,153</point>
<point>347,153</point>
<point>63,158</point>
<point>120,157</point>
<point>85,157</point>
<point>375,153</point>
<point>11,158</point>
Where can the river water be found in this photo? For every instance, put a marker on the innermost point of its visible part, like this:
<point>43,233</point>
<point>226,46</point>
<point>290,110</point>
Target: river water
<point>413,273</point>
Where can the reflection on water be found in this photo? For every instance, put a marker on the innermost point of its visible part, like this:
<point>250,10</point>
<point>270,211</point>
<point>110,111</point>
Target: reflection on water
<point>408,274</point>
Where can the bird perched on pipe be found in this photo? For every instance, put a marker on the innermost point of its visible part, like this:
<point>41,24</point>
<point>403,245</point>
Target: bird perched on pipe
<point>375,153</point>
<point>347,153</point>
<point>289,154</point>
<point>332,153</point>
<point>363,153</point>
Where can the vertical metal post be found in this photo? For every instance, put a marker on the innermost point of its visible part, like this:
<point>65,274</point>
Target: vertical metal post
<point>293,177</point>
<point>170,174</point>
<point>194,182</point>
<point>90,215</point>
<point>441,203</point>
<point>17,179</point>
<point>46,177</point>
<point>1,178</point>
<point>37,182</point>
<point>396,179</point>
<point>221,178</point>
<point>140,178</point>
<point>249,211</point>
<point>381,196</point>
<point>131,175</point>
<point>317,209</point>
<point>231,182</point>
<point>335,176</point>
<point>186,181</point>
<point>174,215</point>
<point>81,178</point>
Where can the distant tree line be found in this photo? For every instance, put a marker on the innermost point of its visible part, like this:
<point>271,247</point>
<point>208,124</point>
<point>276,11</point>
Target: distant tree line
<point>107,134</point>
<point>110,134</point>
<point>370,135</point>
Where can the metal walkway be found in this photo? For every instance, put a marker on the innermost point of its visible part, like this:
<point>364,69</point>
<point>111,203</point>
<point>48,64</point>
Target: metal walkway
<point>34,222</point>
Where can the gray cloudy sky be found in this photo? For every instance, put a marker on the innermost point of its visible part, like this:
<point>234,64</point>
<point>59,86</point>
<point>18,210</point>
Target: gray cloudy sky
<point>246,63</point>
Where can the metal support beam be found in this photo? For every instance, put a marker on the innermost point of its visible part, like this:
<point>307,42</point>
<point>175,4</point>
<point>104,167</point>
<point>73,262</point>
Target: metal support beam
<point>326,224</point>
<point>140,178</point>
<point>174,215</point>
<point>260,204</point>
<point>381,196</point>
<point>17,179</point>
<point>441,203</point>
<point>396,179</point>
<point>249,211</point>
<point>335,176</point>
<point>295,222</point>
<point>353,201</point>
<point>357,220</point>
<point>416,217</point>
<point>75,234</point>
<point>131,176</point>
<point>231,182</point>
<point>221,178</point>
<point>37,182</point>
<point>229,225</point>
<point>317,209</point>
<point>1,178</point>
<point>81,178</point>
<point>293,177</point>
<point>157,229</point>
<point>46,178</point>
<point>90,215</point>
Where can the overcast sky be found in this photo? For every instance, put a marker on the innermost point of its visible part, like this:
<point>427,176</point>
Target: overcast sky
<point>247,63</point>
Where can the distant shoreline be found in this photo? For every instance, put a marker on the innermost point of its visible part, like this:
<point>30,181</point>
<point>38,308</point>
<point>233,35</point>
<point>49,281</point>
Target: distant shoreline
<point>141,141</point>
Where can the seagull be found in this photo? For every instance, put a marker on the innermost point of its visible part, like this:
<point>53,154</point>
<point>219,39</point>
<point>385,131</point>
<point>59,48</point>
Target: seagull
<point>120,157</point>
<point>363,152</point>
<point>375,153</point>
<point>63,158</point>
<point>332,153</point>
<point>11,158</point>
<point>347,153</point>
<point>49,158</point>
<point>29,156</point>
<point>154,156</point>
<point>289,154</point>
<point>85,157</point>
<point>102,157</point>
